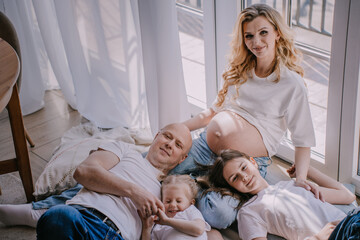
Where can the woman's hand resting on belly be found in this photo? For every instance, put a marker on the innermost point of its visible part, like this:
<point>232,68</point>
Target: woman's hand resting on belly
<point>228,130</point>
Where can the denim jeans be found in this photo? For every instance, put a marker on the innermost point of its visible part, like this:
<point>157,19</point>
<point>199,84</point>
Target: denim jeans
<point>218,211</point>
<point>73,222</point>
<point>54,200</point>
<point>348,228</point>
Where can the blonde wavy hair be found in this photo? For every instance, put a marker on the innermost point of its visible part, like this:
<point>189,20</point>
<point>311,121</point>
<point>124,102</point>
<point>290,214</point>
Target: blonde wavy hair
<point>241,59</point>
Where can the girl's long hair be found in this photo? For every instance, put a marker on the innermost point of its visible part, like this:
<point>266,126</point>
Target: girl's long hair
<point>216,181</point>
<point>241,59</point>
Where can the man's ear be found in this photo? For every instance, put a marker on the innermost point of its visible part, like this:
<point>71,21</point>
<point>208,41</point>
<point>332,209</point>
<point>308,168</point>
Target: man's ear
<point>183,158</point>
<point>155,137</point>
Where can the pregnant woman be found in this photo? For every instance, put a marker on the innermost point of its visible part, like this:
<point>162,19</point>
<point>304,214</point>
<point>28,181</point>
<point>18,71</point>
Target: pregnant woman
<point>262,97</point>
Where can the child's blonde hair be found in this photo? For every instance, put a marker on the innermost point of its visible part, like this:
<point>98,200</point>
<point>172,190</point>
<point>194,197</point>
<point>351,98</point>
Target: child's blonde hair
<point>178,179</point>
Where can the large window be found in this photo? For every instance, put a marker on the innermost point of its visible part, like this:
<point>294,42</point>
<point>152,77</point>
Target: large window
<point>191,33</point>
<point>327,32</point>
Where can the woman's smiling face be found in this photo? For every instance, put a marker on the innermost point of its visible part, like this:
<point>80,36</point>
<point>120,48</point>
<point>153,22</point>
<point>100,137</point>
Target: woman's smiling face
<point>243,175</point>
<point>260,38</point>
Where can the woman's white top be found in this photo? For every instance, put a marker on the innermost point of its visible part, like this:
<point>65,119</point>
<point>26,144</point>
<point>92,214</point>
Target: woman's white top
<point>273,108</point>
<point>285,210</point>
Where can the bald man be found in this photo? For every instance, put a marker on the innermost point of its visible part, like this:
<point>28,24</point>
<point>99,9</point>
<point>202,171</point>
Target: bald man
<point>118,182</point>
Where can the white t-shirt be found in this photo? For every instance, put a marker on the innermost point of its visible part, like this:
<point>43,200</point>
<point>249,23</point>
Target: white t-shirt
<point>164,232</point>
<point>273,108</point>
<point>121,210</point>
<point>285,210</point>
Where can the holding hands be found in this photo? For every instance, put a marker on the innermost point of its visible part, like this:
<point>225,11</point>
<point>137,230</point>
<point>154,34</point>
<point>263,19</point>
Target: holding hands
<point>146,202</point>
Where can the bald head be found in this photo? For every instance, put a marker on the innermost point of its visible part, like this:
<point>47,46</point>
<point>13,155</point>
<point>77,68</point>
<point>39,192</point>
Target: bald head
<point>170,147</point>
<point>183,132</point>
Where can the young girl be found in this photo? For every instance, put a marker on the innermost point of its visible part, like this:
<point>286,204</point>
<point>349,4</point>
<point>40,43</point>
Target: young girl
<point>181,219</point>
<point>263,95</point>
<point>282,209</point>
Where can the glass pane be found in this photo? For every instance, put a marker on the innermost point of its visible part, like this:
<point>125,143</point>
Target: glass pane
<point>358,171</point>
<point>312,23</point>
<point>191,33</point>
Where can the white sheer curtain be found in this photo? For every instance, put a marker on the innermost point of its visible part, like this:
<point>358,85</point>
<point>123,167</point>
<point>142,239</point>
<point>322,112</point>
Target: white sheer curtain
<point>117,62</point>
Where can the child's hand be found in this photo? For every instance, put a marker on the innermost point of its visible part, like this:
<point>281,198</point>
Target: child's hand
<point>162,218</point>
<point>292,171</point>
<point>147,222</point>
<point>326,231</point>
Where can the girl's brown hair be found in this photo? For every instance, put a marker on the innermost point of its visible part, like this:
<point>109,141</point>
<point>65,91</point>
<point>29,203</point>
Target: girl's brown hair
<point>216,180</point>
<point>241,59</point>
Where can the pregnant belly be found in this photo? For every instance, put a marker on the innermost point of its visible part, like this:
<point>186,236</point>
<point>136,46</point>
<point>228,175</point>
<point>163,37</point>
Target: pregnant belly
<point>228,130</point>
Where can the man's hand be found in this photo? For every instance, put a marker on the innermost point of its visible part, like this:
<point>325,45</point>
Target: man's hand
<point>146,202</point>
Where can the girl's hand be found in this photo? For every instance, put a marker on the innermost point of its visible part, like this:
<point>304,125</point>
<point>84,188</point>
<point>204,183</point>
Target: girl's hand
<point>162,219</point>
<point>147,222</point>
<point>312,187</point>
<point>147,225</point>
<point>326,231</point>
<point>292,171</point>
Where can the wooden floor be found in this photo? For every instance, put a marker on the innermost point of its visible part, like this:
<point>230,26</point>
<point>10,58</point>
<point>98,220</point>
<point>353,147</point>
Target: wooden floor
<point>45,127</point>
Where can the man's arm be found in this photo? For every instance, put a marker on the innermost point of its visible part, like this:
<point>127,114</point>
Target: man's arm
<point>94,174</point>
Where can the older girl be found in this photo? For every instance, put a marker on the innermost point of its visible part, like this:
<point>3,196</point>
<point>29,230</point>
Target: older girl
<point>263,95</point>
<point>283,209</point>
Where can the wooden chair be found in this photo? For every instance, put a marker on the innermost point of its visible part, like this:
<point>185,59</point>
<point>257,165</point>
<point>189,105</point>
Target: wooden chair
<point>21,162</point>
<point>8,33</point>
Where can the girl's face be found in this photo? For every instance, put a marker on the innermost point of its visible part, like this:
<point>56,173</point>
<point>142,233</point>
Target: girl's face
<point>243,175</point>
<point>176,198</point>
<point>260,37</point>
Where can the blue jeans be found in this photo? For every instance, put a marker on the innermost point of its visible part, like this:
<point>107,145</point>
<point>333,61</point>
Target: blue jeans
<point>348,228</point>
<point>54,200</point>
<point>218,211</point>
<point>73,222</point>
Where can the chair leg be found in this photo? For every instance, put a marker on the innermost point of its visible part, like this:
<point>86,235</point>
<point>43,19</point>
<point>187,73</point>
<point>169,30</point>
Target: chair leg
<point>28,138</point>
<point>21,149</point>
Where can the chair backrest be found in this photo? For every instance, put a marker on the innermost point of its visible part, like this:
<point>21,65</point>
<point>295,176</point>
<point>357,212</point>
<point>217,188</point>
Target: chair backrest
<point>8,33</point>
